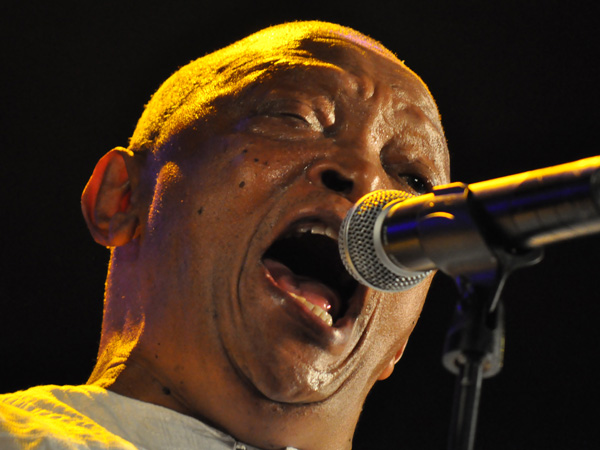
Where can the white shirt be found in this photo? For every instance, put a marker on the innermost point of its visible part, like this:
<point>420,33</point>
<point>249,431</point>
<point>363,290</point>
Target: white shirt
<point>89,417</point>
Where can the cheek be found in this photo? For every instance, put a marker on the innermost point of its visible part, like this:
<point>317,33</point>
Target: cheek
<point>258,160</point>
<point>169,176</point>
<point>240,173</point>
<point>262,167</point>
<point>399,314</point>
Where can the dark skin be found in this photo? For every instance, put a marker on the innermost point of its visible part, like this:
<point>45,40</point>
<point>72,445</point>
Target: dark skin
<point>196,318</point>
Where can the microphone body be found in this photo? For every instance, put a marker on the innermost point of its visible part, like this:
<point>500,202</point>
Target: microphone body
<point>457,228</point>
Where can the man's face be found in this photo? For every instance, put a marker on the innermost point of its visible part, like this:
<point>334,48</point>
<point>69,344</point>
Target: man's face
<point>239,245</point>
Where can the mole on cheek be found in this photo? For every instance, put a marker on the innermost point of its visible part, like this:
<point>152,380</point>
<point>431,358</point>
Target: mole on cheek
<point>242,184</point>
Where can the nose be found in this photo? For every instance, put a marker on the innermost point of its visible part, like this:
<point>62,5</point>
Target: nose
<point>335,181</point>
<point>349,177</point>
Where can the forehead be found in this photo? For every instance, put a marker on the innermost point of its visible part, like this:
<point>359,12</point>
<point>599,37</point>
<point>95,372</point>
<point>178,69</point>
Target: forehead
<point>341,66</point>
<point>343,56</point>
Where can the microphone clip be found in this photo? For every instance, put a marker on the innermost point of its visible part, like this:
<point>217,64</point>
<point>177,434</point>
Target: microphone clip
<point>474,347</point>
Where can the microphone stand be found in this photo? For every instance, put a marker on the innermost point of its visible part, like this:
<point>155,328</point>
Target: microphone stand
<point>474,344</point>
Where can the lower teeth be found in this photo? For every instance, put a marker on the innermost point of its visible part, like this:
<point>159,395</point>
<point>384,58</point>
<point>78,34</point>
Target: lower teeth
<point>316,310</point>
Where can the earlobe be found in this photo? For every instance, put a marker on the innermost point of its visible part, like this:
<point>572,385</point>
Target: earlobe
<point>106,201</point>
<point>389,368</point>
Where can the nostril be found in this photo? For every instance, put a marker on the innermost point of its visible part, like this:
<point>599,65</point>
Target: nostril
<point>336,182</point>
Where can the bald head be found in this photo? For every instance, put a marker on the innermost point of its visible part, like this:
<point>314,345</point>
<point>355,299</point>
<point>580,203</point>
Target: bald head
<point>192,92</point>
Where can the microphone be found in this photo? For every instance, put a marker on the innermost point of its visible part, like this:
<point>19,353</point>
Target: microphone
<point>391,240</point>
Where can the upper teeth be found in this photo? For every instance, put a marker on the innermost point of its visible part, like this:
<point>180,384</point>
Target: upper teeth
<point>320,228</point>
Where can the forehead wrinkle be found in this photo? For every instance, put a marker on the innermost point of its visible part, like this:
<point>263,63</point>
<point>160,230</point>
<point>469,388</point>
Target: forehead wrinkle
<point>416,135</point>
<point>420,142</point>
<point>421,106</point>
<point>412,92</point>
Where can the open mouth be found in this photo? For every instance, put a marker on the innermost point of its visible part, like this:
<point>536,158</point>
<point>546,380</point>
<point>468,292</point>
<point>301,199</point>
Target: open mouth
<point>305,263</point>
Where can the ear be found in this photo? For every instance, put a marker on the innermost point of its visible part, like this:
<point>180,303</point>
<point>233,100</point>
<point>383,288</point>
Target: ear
<point>106,200</point>
<point>389,368</point>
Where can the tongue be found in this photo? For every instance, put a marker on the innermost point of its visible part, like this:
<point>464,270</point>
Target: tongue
<point>312,290</point>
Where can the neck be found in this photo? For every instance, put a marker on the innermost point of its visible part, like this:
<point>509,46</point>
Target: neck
<point>251,419</point>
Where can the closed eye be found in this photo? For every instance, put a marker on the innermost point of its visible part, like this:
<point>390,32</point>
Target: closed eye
<point>292,115</point>
<point>297,112</point>
<point>284,120</point>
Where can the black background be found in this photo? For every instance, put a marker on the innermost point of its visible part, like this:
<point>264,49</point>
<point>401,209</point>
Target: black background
<point>517,86</point>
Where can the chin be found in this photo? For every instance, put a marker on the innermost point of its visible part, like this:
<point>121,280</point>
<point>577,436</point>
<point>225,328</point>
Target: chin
<point>294,385</point>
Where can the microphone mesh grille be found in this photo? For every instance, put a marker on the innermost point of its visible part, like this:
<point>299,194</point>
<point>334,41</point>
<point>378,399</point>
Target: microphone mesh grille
<point>357,244</point>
